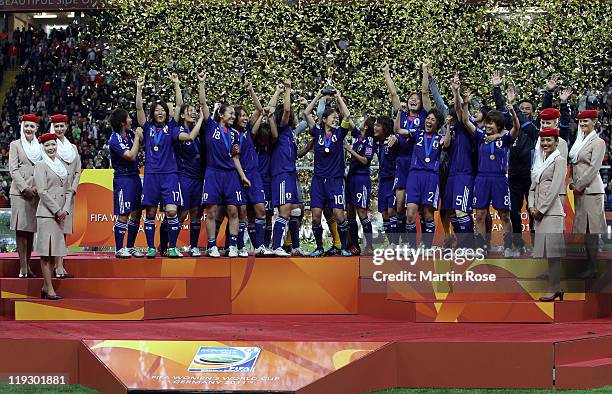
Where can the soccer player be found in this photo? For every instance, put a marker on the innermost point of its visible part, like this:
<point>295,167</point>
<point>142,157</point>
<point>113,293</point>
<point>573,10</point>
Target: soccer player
<point>284,175</point>
<point>161,182</point>
<point>491,183</point>
<point>224,174</point>
<point>460,184</point>
<point>359,184</point>
<point>412,119</point>
<point>255,194</point>
<point>328,180</point>
<point>123,146</point>
<point>387,153</point>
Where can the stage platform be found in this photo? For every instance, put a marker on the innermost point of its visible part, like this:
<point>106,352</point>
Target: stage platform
<point>303,325</point>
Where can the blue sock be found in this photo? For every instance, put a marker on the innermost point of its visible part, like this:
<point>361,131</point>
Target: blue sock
<point>367,230</point>
<point>428,234</point>
<point>149,228</point>
<point>211,243</point>
<point>119,229</point>
<point>241,229</point>
<point>279,231</point>
<point>251,232</point>
<point>268,235</point>
<point>401,227</point>
<point>393,229</point>
<point>353,231</point>
<point>233,240</point>
<point>174,227</point>
<point>132,232</point>
<point>194,232</point>
<point>317,229</point>
<point>294,230</point>
<point>411,234</point>
<point>465,226</point>
<point>342,232</point>
<point>163,234</point>
<point>260,229</point>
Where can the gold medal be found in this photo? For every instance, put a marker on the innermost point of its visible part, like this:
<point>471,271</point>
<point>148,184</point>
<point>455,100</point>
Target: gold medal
<point>198,156</point>
<point>492,157</point>
<point>427,160</point>
<point>326,150</point>
<point>156,148</point>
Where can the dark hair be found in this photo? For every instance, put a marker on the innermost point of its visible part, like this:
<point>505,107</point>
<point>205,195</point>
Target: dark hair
<point>484,109</point>
<point>368,126</point>
<point>181,121</point>
<point>328,111</point>
<point>237,110</point>
<point>452,111</point>
<point>438,115</point>
<point>419,95</point>
<point>220,111</point>
<point>264,135</point>
<point>117,118</point>
<point>164,106</point>
<point>527,101</point>
<point>494,116</point>
<point>278,115</point>
<point>386,123</point>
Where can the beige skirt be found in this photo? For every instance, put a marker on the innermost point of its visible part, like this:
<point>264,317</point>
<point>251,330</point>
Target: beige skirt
<point>589,212</point>
<point>549,240</point>
<point>50,238</point>
<point>23,213</point>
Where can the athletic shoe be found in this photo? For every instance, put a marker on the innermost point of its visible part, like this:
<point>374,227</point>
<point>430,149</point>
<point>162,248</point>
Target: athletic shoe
<point>260,251</point>
<point>297,252</point>
<point>354,250</point>
<point>135,252</point>
<point>233,251</point>
<point>123,253</point>
<point>243,252</point>
<point>280,252</point>
<point>268,251</point>
<point>333,251</point>
<point>173,253</point>
<point>287,248</point>
<point>367,251</point>
<point>508,253</point>
<point>317,253</point>
<point>195,252</point>
<point>151,252</point>
<point>213,252</point>
<point>162,252</point>
<point>345,253</point>
<point>523,250</point>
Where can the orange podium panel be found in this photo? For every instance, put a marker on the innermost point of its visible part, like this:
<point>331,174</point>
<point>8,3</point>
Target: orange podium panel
<point>229,366</point>
<point>295,285</point>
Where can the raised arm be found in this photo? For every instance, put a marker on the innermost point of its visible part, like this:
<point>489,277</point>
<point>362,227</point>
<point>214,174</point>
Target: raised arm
<point>257,123</point>
<point>193,134</point>
<point>286,103</point>
<point>498,96</point>
<point>178,96</point>
<point>346,115</point>
<point>272,123</point>
<point>140,113</point>
<point>308,111</point>
<point>256,102</point>
<point>425,99</point>
<point>566,113</point>
<point>516,126</point>
<point>132,154</point>
<point>395,100</point>
<point>551,85</point>
<point>202,95</point>
<point>439,100</point>
<point>274,98</point>
<point>463,112</point>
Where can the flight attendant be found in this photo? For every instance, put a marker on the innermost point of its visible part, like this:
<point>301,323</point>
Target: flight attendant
<point>52,182</point>
<point>69,155</point>
<point>24,153</point>
<point>586,157</point>
<point>547,176</point>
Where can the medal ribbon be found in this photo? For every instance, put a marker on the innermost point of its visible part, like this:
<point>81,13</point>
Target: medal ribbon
<point>328,141</point>
<point>227,139</point>
<point>158,135</point>
<point>492,147</point>
<point>428,148</point>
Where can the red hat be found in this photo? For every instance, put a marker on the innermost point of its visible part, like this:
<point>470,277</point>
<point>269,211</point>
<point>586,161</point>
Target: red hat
<point>47,137</point>
<point>30,118</point>
<point>59,118</point>
<point>550,114</point>
<point>549,132</point>
<point>588,114</point>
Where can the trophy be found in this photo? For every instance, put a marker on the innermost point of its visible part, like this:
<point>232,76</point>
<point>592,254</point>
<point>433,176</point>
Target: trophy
<point>329,89</point>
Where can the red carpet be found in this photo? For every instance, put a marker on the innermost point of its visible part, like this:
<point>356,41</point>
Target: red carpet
<point>304,328</point>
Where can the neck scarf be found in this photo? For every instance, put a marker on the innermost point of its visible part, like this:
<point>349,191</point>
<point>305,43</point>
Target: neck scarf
<point>580,142</point>
<point>539,164</point>
<point>65,150</point>
<point>55,165</point>
<point>32,148</point>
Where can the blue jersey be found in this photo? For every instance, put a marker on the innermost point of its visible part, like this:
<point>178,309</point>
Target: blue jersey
<point>387,160</point>
<point>118,145</point>
<point>248,156</point>
<point>427,149</point>
<point>329,152</point>
<point>364,146</point>
<point>188,156</point>
<point>219,145</point>
<point>493,157</point>
<point>460,155</point>
<point>159,148</point>
<point>414,124</point>
<point>284,152</point>
<point>264,156</point>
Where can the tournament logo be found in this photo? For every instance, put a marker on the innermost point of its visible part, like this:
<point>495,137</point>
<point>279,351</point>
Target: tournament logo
<point>225,359</point>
